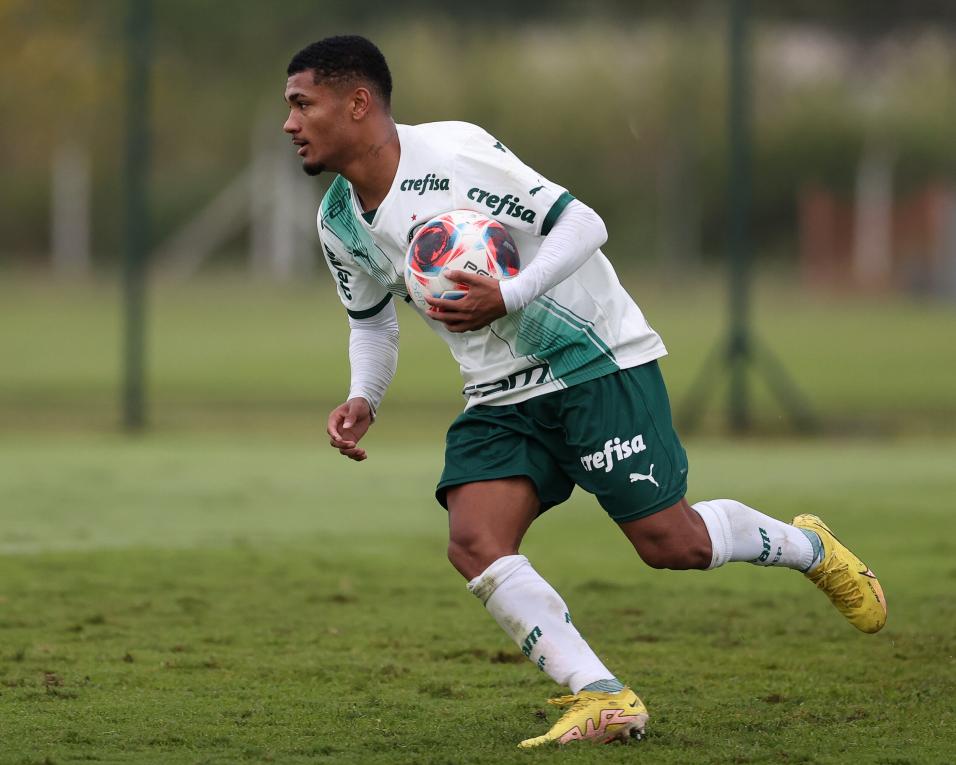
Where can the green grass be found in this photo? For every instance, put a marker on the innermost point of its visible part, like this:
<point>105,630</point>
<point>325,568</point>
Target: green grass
<point>226,589</point>
<point>194,599</point>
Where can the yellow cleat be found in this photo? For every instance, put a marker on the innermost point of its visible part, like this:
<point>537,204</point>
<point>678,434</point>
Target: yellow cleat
<point>598,717</point>
<point>849,583</point>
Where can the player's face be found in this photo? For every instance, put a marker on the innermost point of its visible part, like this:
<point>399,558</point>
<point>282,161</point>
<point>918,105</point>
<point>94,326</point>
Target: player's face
<point>318,123</point>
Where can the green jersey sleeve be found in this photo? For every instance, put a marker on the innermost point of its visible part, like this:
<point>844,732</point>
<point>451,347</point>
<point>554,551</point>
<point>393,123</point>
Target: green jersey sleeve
<point>489,179</point>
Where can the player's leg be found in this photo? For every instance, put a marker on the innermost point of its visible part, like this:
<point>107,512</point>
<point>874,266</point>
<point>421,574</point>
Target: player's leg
<point>626,452</point>
<point>496,481</point>
<point>681,536</point>
<point>487,521</point>
<point>719,531</point>
<point>675,538</point>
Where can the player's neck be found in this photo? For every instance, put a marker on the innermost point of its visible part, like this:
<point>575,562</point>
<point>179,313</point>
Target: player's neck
<point>372,171</point>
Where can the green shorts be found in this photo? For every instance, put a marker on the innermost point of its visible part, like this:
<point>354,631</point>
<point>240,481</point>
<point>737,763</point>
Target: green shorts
<point>611,436</point>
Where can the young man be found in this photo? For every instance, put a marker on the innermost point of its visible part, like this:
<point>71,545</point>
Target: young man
<point>560,370</point>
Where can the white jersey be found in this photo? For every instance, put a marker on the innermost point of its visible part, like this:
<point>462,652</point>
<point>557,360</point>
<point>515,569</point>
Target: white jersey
<point>585,327</point>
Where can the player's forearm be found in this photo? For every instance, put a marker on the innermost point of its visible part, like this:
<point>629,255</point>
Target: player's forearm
<point>576,236</point>
<point>373,355</point>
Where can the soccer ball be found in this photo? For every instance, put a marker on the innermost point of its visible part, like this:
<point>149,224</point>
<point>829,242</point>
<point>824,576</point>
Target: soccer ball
<point>461,240</point>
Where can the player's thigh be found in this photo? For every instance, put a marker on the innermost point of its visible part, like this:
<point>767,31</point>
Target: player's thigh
<point>620,443</point>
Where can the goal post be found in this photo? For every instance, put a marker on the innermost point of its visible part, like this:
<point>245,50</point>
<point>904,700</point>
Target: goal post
<point>136,218</point>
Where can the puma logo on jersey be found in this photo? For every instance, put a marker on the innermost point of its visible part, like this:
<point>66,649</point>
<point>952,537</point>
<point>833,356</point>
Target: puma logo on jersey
<point>635,477</point>
<point>498,145</point>
<point>507,205</point>
<point>428,183</point>
<point>613,448</point>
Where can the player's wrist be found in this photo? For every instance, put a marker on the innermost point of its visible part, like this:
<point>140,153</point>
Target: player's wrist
<point>511,294</point>
<point>363,399</point>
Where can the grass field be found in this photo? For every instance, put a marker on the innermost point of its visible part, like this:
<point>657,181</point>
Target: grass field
<point>226,589</point>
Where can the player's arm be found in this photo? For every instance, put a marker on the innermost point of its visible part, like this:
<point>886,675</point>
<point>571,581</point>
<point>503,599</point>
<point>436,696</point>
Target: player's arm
<point>373,358</point>
<point>373,346</point>
<point>578,233</point>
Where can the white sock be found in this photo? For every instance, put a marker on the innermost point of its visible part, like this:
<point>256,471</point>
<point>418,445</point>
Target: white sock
<point>536,618</point>
<point>740,533</point>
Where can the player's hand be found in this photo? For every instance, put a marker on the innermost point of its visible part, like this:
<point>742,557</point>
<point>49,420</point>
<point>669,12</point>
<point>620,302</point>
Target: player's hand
<point>348,422</point>
<point>480,306</point>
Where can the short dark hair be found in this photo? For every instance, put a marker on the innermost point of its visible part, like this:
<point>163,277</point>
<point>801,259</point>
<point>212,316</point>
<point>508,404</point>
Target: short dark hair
<point>342,58</point>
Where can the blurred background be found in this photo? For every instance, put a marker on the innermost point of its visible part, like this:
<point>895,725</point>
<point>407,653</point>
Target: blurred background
<point>188,573</point>
<point>852,210</point>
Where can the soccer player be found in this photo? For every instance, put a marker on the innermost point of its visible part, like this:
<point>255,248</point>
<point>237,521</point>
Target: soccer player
<point>560,371</point>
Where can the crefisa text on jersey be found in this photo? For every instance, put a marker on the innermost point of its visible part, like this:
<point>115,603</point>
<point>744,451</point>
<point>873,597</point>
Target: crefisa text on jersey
<point>429,183</point>
<point>341,272</point>
<point>497,204</point>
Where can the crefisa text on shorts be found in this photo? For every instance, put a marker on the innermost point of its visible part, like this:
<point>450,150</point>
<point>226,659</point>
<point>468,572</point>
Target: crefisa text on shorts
<point>622,449</point>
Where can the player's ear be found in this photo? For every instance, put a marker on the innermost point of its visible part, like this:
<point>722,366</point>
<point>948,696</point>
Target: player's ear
<point>361,103</point>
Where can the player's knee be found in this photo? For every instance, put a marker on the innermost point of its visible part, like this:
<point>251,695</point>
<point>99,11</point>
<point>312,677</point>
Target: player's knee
<point>472,554</point>
<point>457,554</point>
